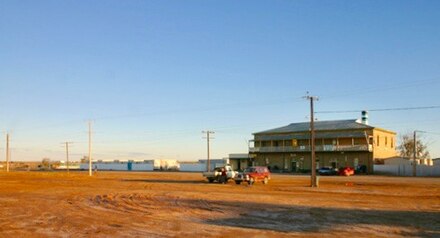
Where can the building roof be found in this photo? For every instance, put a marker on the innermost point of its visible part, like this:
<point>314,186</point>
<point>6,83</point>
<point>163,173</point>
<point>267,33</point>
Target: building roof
<point>319,126</point>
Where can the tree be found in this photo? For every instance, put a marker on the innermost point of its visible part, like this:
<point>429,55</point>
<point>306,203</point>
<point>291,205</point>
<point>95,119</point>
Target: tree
<point>406,148</point>
<point>45,164</point>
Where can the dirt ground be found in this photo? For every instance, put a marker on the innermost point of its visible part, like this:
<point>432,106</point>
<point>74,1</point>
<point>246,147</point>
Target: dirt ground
<point>154,204</point>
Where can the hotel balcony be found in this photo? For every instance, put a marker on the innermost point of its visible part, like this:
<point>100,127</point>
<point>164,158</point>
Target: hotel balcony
<point>304,148</point>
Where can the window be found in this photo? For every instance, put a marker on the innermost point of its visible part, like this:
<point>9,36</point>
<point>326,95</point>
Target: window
<point>294,142</point>
<point>377,141</point>
<point>392,142</point>
<point>386,140</point>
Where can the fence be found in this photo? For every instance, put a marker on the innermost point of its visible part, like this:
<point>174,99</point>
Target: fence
<point>407,170</point>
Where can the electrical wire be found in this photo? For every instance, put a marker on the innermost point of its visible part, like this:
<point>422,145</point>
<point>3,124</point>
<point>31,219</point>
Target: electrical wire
<point>382,109</point>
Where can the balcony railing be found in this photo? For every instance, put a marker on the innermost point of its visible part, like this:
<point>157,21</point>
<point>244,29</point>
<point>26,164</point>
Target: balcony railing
<point>306,148</point>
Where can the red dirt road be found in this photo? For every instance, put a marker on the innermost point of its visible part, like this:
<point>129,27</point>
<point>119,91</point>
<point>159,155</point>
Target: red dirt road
<point>152,204</point>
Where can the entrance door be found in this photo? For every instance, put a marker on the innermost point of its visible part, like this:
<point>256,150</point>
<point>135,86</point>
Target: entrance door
<point>334,164</point>
<point>129,166</point>
<point>294,166</point>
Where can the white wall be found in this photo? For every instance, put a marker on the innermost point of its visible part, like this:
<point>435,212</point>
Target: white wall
<point>142,167</point>
<point>123,166</point>
<point>407,170</point>
<point>196,167</point>
<point>397,161</point>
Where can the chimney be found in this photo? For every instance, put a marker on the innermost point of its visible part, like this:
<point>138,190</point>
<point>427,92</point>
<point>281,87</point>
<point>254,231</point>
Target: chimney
<point>365,117</point>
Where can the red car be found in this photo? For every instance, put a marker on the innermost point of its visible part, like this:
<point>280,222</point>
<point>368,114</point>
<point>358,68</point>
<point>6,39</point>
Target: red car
<point>347,171</point>
<point>253,174</point>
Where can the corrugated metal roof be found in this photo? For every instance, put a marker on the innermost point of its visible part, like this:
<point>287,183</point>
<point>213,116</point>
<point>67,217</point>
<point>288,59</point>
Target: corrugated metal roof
<point>319,135</point>
<point>319,126</point>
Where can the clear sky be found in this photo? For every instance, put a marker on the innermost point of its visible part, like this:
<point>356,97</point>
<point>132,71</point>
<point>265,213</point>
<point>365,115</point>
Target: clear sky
<point>153,74</point>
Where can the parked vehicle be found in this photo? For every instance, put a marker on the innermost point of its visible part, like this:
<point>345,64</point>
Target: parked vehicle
<point>347,171</point>
<point>216,175</point>
<point>253,174</point>
<point>328,171</point>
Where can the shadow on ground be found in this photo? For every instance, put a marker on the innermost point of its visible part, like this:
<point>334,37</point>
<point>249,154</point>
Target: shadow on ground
<point>315,219</point>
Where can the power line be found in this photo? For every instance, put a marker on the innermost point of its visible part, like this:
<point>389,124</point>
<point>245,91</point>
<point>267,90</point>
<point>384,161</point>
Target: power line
<point>381,88</point>
<point>433,133</point>
<point>382,109</point>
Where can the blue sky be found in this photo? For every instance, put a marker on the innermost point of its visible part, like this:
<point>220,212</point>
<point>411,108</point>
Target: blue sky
<point>153,74</point>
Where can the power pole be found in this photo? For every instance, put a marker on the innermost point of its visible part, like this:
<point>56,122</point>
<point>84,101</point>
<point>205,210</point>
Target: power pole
<point>7,152</point>
<point>312,141</point>
<point>415,155</point>
<point>207,143</point>
<point>90,148</point>
<point>67,154</point>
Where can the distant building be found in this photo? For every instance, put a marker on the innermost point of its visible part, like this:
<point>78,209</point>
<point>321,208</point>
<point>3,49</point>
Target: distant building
<point>119,165</point>
<point>337,144</point>
<point>239,161</point>
<point>408,161</point>
<point>398,161</point>
<point>202,165</point>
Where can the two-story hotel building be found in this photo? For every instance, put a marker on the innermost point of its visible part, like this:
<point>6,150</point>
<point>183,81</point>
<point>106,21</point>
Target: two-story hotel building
<point>338,144</point>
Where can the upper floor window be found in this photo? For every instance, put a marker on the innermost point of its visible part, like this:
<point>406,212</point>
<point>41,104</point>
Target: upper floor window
<point>392,142</point>
<point>386,140</point>
<point>377,140</point>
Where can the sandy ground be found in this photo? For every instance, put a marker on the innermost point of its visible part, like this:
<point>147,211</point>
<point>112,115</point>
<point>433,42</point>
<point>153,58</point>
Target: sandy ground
<point>153,204</point>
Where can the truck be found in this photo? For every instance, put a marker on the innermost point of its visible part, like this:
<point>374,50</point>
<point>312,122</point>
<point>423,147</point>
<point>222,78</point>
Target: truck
<point>216,175</point>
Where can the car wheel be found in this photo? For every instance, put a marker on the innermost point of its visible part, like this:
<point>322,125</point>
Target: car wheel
<point>210,180</point>
<point>238,182</point>
<point>266,180</point>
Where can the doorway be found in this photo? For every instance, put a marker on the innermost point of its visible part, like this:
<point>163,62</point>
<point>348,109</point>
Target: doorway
<point>294,166</point>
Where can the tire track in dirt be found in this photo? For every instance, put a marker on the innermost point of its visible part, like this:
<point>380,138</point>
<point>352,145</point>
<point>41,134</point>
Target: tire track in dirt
<point>153,204</point>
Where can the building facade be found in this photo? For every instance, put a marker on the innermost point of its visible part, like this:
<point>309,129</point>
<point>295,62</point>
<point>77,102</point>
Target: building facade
<point>239,161</point>
<point>337,144</point>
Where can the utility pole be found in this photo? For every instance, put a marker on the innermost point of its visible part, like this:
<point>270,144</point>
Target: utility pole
<point>415,152</point>
<point>7,152</point>
<point>207,143</point>
<point>415,155</point>
<point>90,148</point>
<point>312,141</point>
<point>67,154</point>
